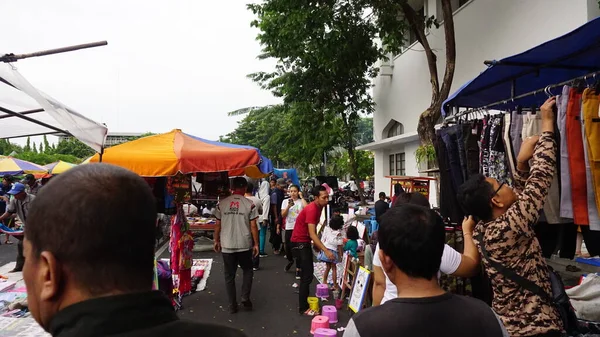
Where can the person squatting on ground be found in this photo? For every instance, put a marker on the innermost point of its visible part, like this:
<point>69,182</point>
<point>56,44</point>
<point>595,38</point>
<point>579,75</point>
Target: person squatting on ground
<point>304,232</point>
<point>333,239</point>
<point>19,205</point>
<point>411,240</point>
<point>89,247</point>
<point>507,217</point>
<point>236,237</point>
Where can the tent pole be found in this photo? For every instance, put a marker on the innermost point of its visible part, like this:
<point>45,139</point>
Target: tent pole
<point>101,153</point>
<point>14,58</point>
<point>504,101</point>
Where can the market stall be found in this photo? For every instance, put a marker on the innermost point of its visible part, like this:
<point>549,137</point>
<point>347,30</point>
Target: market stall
<point>59,167</point>
<point>169,162</point>
<point>14,166</point>
<point>487,119</point>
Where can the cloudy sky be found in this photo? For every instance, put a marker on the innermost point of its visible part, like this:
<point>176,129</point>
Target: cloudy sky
<point>168,64</point>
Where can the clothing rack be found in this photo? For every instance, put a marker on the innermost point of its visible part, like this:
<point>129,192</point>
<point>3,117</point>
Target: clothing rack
<point>535,92</point>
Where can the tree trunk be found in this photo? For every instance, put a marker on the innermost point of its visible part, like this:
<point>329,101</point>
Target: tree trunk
<point>430,117</point>
<point>352,157</point>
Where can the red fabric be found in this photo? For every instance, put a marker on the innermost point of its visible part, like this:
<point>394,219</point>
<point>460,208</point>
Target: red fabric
<point>576,159</point>
<point>185,281</point>
<point>310,214</point>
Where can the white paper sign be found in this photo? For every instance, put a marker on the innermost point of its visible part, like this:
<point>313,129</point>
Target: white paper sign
<point>361,285</point>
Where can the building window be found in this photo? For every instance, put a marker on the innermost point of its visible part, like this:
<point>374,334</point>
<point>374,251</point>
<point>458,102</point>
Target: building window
<point>397,164</point>
<point>395,129</point>
<point>456,5</point>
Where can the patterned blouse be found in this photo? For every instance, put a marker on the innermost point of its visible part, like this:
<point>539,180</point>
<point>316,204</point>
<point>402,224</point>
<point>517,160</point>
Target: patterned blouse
<point>511,241</point>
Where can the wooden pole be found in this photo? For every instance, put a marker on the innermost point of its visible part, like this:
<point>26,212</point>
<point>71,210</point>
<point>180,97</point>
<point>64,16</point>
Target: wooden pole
<point>14,58</point>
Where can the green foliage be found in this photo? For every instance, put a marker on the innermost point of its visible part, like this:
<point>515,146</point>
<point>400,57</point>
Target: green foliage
<point>141,136</point>
<point>6,147</point>
<point>45,158</point>
<point>27,147</point>
<point>74,147</point>
<point>326,53</point>
<point>47,147</point>
<point>339,164</point>
<point>425,153</point>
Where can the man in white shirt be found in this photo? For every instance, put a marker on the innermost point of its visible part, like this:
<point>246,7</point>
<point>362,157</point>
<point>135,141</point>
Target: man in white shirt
<point>453,263</point>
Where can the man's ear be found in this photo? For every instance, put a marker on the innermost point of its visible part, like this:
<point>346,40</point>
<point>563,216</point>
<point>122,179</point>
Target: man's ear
<point>497,203</point>
<point>386,262</point>
<point>50,276</point>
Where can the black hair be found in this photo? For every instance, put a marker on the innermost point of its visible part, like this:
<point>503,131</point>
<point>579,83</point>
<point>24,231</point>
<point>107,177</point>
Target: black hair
<point>413,237</point>
<point>239,182</point>
<point>336,222</point>
<point>316,191</point>
<point>382,195</point>
<point>414,198</point>
<point>296,186</point>
<point>474,197</point>
<point>352,233</point>
<point>8,178</point>
<point>398,189</point>
<point>250,188</point>
<point>99,221</point>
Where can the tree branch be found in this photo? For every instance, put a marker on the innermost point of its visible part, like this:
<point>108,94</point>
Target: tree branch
<point>417,24</point>
<point>450,50</point>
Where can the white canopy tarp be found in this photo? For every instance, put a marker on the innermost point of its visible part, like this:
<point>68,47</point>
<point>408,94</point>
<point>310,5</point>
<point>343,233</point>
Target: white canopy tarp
<point>26,111</point>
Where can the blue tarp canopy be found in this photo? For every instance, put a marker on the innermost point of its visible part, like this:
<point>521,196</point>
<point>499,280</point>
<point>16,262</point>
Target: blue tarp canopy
<point>572,55</point>
<point>288,174</point>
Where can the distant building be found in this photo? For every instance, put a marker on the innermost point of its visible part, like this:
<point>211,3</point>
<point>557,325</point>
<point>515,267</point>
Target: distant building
<point>113,138</point>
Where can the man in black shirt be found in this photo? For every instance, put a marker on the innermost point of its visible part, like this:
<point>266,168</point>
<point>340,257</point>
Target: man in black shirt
<point>381,206</point>
<point>411,240</point>
<point>89,247</point>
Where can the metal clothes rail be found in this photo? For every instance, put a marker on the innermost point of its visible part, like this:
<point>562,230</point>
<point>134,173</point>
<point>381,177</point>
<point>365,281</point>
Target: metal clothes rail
<point>512,99</point>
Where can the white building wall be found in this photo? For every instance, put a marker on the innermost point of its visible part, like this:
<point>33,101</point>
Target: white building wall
<point>485,30</point>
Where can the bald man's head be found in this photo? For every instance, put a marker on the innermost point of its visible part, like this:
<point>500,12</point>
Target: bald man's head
<point>98,222</point>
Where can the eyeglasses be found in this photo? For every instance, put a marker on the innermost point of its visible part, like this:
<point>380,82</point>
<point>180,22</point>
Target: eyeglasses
<point>498,189</point>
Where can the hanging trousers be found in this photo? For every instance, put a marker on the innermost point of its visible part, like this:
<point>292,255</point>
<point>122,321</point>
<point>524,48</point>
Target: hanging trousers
<point>516,127</point>
<point>591,124</point>
<point>508,144</point>
<point>576,159</point>
<point>472,148</point>
<point>532,126</point>
<point>448,202</point>
<point>450,138</point>
<point>566,204</point>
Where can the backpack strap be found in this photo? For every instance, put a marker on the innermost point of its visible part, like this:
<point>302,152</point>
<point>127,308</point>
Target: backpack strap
<point>512,275</point>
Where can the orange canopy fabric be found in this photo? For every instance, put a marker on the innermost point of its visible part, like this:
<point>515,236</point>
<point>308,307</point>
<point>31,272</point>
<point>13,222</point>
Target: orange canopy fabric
<point>169,153</point>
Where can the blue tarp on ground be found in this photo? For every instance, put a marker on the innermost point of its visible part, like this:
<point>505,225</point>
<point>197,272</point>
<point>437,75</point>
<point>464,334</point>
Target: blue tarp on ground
<point>288,174</point>
<point>578,51</point>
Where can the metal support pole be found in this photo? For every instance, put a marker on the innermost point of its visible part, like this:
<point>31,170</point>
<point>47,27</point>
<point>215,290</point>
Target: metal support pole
<point>15,58</point>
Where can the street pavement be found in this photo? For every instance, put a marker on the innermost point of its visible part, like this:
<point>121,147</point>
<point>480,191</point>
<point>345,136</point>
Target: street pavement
<point>8,253</point>
<point>275,301</point>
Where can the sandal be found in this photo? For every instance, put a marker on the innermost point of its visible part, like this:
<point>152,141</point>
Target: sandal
<point>573,268</point>
<point>310,313</point>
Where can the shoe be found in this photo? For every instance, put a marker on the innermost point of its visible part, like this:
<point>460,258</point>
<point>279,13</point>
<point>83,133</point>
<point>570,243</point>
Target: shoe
<point>276,252</point>
<point>255,268</point>
<point>262,255</point>
<point>297,274</point>
<point>247,304</point>
<point>310,313</point>
<point>16,270</point>
<point>288,266</point>
<point>233,309</point>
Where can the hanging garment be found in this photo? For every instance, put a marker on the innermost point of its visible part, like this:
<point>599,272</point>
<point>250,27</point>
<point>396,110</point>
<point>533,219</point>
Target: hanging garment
<point>591,131</point>
<point>450,136</point>
<point>566,204</point>
<point>576,159</point>
<point>498,165</point>
<point>508,144</point>
<point>532,126</point>
<point>472,147</point>
<point>516,127</point>
<point>484,155</point>
<point>449,206</point>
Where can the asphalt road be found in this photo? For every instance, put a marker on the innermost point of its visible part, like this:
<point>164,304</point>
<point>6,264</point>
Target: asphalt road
<point>8,253</point>
<point>275,301</point>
